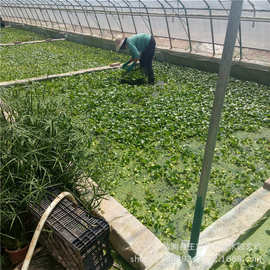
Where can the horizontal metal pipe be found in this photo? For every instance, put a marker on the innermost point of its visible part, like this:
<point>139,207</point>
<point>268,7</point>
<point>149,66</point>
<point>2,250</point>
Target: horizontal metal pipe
<point>172,15</point>
<point>71,7</point>
<point>180,39</point>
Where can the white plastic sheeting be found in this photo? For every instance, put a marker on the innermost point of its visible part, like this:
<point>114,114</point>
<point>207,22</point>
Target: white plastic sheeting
<point>176,24</point>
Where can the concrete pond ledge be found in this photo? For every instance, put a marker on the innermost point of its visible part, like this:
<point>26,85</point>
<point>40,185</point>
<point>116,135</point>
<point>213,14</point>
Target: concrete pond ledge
<point>139,246</point>
<point>217,239</point>
<point>143,250</point>
<point>129,237</point>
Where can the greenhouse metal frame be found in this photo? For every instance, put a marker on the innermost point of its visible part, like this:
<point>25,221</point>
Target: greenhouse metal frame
<point>108,19</point>
<point>172,22</point>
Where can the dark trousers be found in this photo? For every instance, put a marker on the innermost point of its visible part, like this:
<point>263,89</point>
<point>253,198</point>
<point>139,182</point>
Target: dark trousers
<point>147,59</point>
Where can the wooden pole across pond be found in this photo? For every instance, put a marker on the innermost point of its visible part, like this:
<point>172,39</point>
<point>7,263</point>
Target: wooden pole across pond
<point>222,82</point>
<point>61,75</point>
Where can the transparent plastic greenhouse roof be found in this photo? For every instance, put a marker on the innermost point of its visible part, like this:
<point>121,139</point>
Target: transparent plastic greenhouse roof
<point>182,24</point>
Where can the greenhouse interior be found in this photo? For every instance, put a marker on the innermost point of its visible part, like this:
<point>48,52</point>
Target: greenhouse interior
<point>135,134</point>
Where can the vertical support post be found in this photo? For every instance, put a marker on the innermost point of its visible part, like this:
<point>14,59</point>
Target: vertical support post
<point>119,20</point>
<point>32,17</point>
<point>22,7</point>
<point>254,11</point>
<point>97,21</point>
<point>40,11</point>
<point>166,20</point>
<point>87,11</point>
<point>55,17</point>
<point>78,19</point>
<point>107,19</point>
<point>35,7</point>
<point>48,15</point>
<point>224,73</point>
<point>8,12</point>
<point>211,26</point>
<point>132,16</point>
<point>67,10</point>
<point>87,21</point>
<point>172,8</point>
<point>83,10</point>
<point>187,23</point>
<point>19,13</point>
<point>61,15</point>
<point>240,42</point>
<point>73,9</point>
<point>148,16</point>
<point>18,10</point>
<point>4,14</point>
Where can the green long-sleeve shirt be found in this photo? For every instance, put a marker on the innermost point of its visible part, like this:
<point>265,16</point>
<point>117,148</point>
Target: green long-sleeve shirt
<point>137,43</point>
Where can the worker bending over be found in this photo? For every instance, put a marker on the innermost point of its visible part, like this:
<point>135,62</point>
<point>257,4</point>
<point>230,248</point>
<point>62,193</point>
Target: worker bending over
<point>141,47</point>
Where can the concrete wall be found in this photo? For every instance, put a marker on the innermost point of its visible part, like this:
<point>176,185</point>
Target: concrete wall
<point>241,70</point>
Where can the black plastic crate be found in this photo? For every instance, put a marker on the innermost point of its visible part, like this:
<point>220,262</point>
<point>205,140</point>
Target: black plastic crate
<point>78,240</point>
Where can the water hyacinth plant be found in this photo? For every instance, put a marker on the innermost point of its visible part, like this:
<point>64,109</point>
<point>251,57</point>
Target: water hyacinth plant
<point>32,60</point>
<point>11,35</point>
<point>144,143</point>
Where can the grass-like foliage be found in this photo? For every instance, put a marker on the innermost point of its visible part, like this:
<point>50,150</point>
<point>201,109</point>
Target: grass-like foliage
<point>38,153</point>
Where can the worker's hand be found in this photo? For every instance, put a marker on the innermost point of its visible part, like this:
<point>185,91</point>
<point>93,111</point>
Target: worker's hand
<point>124,66</point>
<point>130,67</point>
<point>135,60</point>
<point>128,62</point>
